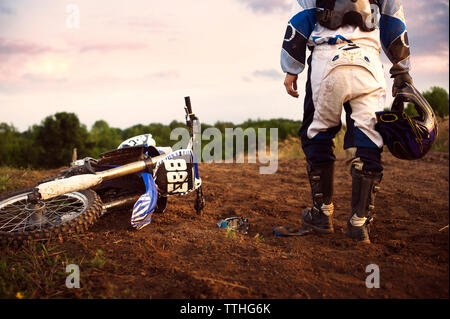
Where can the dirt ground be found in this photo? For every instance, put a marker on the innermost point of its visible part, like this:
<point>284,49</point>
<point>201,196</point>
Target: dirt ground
<point>184,255</point>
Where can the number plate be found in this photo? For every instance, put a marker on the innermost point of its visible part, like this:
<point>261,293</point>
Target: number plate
<point>175,175</point>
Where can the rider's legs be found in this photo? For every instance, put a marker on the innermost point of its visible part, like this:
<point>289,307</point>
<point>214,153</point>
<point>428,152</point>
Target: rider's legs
<point>336,78</point>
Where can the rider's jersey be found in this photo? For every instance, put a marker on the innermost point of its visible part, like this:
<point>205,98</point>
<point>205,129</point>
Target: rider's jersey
<point>390,34</point>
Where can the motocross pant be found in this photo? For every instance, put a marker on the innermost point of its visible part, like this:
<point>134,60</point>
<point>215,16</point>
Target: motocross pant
<point>348,77</point>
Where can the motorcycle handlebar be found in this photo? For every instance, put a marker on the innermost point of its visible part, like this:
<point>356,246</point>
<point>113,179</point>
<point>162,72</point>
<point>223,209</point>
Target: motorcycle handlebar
<point>187,100</point>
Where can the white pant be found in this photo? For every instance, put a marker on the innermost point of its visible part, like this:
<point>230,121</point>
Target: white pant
<point>347,73</point>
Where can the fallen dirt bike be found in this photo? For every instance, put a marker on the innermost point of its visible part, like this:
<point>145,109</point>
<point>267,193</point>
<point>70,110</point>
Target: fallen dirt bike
<point>138,173</point>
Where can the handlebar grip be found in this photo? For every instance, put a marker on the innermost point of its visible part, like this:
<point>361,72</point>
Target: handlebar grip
<point>187,100</point>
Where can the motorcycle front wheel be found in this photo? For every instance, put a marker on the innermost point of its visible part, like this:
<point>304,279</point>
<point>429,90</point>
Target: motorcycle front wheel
<point>70,213</point>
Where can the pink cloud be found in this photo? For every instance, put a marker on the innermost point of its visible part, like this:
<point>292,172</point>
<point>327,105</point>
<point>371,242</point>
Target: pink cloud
<point>108,47</point>
<point>427,23</point>
<point>11,47</point>
<point>168,74</point>
<point>147,23</point>
<point>268,5</point>
<point>26,59</point>
<point>431,63</point>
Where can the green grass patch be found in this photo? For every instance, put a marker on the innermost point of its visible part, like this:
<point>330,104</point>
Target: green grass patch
<point>34,270</point>
<point>13,179</point>
<point>99,260</point>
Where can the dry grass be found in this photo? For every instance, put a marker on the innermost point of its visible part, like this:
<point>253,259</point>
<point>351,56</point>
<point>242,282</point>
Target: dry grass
<point>12,179</point>
<point>31,271</point>
<point>441,143</point>
<point>292,148</point>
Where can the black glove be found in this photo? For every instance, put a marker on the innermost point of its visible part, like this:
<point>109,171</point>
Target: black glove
<point>400,81</point>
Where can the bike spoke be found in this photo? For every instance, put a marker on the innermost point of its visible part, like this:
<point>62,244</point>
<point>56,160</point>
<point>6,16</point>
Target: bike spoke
<point>15,215</point>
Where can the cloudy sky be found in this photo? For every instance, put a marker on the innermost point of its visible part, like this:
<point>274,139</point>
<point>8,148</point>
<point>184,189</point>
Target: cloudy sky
<point>131,62</point>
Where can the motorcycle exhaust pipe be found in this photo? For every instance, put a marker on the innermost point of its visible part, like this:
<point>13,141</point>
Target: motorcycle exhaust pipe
<point>120,202</point>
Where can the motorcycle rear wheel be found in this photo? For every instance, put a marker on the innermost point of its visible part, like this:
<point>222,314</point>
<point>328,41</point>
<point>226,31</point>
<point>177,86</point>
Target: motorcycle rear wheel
<point>71,213</point>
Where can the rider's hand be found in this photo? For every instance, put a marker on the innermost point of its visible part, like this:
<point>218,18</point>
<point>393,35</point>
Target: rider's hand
<point>291,84</point>
<point>399,82</point>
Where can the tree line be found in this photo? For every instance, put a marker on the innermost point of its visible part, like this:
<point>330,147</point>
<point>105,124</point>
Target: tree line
<point>50,144</point>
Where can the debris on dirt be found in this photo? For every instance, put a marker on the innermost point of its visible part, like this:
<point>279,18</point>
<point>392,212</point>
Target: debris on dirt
<point>287,231</point>
<point>239,224</point>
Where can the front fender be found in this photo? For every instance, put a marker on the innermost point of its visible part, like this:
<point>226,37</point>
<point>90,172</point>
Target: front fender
<point>145,206</point>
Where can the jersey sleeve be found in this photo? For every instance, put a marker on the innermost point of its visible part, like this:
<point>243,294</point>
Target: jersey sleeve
<point>298,31</point>
<point>394,36</point>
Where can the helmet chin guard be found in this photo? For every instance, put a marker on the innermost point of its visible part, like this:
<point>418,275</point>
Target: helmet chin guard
<point>406,137</point>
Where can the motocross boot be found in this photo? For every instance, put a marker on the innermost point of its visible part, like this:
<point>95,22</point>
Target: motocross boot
<point>320,216</point>
<point>365,185</point>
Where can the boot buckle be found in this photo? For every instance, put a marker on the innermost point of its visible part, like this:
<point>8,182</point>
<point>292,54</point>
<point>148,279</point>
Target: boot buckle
<point>369,220</point>
<point>318,196</point>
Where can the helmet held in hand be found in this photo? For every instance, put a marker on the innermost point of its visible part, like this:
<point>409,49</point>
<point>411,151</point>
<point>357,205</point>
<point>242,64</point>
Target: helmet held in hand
<point>406,137</point>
